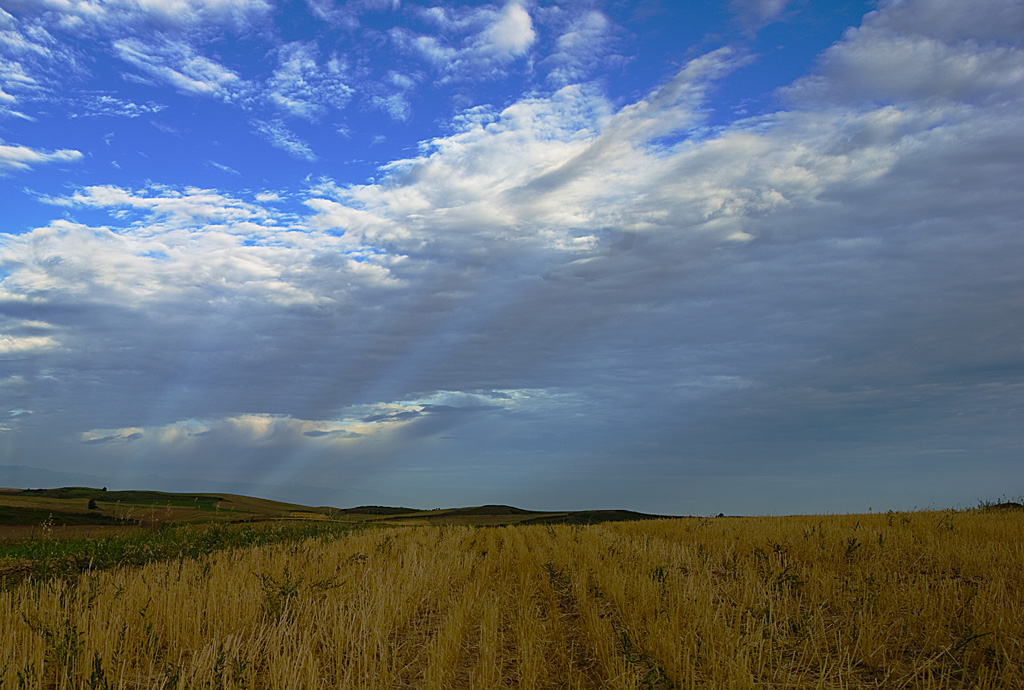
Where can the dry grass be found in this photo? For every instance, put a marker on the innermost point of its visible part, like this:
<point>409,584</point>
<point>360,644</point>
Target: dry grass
<point>918,600</point>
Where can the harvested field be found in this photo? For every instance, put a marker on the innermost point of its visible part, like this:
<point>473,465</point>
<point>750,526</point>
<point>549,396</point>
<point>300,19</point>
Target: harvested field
<point>912,600</point>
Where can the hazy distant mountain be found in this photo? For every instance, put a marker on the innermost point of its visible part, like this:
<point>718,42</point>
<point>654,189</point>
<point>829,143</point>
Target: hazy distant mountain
<point>24,477</point>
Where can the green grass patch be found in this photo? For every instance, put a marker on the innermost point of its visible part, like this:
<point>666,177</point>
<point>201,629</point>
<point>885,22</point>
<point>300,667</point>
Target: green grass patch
<point>148,498</point>
<point>42,557</point>
<point>10,515</point>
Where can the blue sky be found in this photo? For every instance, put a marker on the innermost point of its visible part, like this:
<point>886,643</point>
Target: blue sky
<point>750,257</point>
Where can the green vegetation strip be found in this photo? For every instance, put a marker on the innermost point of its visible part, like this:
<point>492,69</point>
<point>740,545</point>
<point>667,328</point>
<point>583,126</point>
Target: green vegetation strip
<point>159,498</point>
<point>38,516</point>
<point>64,558</point>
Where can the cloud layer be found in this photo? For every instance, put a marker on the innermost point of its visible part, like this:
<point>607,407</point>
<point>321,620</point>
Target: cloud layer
<point>567,298</point>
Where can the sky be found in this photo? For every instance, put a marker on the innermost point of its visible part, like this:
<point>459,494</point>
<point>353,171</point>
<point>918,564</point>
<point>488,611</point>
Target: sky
<point>758,257</point>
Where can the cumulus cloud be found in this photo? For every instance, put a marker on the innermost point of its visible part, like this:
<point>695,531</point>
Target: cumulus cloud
<point>545,170</point>
<point>508,37</point>
<point>184,244</point>
<point>167,207</point>
<point>878,64</point>
<point>950,21</point>
<point>305,88</point>
<point>495,38</point>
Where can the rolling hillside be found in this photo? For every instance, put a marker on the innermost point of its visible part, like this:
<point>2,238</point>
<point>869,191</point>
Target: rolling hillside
<point>69,507</point>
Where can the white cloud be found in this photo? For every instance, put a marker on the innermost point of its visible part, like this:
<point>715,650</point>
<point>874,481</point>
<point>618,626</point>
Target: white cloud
<point>508,37</point>
<point>360,227</point>
<point>305,88</point>
<point>921,52</point>
<point>353,425</point>
<point>178,244</point>
<point>876,66</point>
<point>23,157</point>
<point>33,63</point>
<point>177,64</point>
<point>105,105</point>
<point>187,12</point>
<point>279,136</point>
<point>15,77</point>
<point>104,15</point>
<point>495,38</point>
<point>347,15</point>
<point>546,170</point>
<point>578,50</point>
<point>225,168</point>
<point>429,47</point>
<point>191,207</point>
<point>757,13</point>
<point>401,81</point>
<point>951,21</point>
<point>396,105</point>
<point>24,345</point>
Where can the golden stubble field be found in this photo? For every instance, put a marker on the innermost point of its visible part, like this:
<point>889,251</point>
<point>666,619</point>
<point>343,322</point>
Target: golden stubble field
<point>907,600</point>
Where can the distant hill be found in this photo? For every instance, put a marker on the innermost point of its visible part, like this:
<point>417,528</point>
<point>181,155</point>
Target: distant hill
<point>72,506</point>
<point>493,510</point>
<point>377,510</point>
<point>510,515</point>
<point>588,517</point>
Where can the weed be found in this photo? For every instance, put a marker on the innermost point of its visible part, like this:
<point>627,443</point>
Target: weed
<point>852,544</point>
<point>98,678</point>
<point>238,677</point>
<point>28,678</point>
<point>278,592</point>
